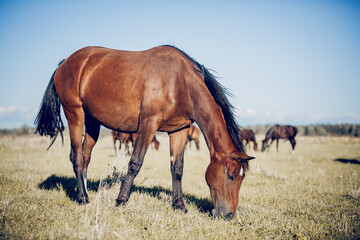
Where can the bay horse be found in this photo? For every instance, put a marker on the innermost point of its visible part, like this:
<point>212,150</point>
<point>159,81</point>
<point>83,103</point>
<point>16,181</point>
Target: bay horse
<point>160,89</point>
<point>127,138</point>
<point>248,136</point>
<point>280,132</point>
<point>194,135</point>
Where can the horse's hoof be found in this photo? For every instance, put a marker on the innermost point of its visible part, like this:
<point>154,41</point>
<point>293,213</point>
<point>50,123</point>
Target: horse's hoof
<point>83,200</point>
<point>180,207</point>
<point>120,202</point>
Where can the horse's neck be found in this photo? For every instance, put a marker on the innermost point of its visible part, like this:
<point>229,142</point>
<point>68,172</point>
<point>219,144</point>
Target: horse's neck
<point>269,135</point>
<point>213,126</point>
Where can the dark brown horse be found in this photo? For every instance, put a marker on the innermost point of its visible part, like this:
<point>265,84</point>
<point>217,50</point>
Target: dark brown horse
<point>194,135</point>
<point>248,136</point>
<point>277,132</point>
<point>160,89</point>
<point>126,139</point>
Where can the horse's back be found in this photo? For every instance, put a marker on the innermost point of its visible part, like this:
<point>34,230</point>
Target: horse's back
<point>108,83</point>
<point>285,131</point>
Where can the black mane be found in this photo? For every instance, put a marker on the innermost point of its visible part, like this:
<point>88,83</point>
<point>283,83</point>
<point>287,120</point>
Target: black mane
<point>219,94</point>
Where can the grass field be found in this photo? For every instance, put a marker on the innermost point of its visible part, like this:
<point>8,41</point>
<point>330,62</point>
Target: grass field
<point>311,194</point>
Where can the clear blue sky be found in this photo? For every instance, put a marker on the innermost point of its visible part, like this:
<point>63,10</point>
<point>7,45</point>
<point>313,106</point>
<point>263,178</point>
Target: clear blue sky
<point>293,62</point>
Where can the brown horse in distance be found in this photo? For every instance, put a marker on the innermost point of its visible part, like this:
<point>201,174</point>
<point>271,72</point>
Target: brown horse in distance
<point>154,141</point>
<point>123,138</point>
<point>160,89</point>
<point>126,138</point>
<point>194,135</point>
<point>133,137</point>
<point>248,136</point>
<point>280,132</point>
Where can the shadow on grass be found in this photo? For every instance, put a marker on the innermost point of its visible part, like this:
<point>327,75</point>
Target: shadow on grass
<point>69,185</point>
<point>66,184</point>
<point>345,160</point>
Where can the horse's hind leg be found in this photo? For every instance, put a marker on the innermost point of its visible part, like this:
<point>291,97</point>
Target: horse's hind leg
<point>92,130</point>
<point>293,143</point>
<point>115,145</point>
<point>76,120</point>
<point>146,132</point>
<point>127,148</point>
<point>177,145</point>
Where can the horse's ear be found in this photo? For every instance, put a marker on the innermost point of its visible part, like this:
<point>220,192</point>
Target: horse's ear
<point>240,156</point>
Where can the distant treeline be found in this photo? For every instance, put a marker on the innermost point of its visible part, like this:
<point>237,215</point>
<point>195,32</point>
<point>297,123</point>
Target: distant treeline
<point>23,130</point>
<point>317,130</point>
<point>310,130</point>
<point>27,130</point>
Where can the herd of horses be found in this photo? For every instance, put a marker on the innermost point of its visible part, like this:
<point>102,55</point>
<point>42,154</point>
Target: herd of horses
<point>127,138</point>
<point>140,93</point>
<point>274,133</point>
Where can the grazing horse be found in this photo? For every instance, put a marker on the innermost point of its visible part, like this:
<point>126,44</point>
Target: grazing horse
<point>160,89</point>
<point>277,132</point>
<point>126,138</point>
<point>248,136</point>
<point>133,137</point>
<point>123,138</point>
<point>194,135</point>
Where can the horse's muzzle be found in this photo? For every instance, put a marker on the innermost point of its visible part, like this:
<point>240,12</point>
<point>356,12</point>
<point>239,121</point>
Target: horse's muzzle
<point>220,213</point>
<point>229,216</point>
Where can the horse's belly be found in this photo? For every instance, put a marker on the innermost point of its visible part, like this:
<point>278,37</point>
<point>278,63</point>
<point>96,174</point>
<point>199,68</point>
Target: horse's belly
<point>113,114</point>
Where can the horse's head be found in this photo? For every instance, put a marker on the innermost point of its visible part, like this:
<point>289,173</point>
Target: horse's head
<point>224,176</point>
<point>264,146</point>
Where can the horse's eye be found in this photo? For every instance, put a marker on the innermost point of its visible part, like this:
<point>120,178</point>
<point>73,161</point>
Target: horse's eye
<point>230,177</point>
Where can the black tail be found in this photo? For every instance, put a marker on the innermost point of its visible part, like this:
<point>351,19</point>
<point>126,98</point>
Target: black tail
<point>219,94</point>
<point>48,121</point>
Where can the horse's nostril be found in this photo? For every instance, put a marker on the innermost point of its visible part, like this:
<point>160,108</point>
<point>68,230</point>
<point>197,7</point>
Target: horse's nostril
<point>229,216</point>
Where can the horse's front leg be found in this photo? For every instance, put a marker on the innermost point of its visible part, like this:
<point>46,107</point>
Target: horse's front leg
<point>270,144</point>
<point>293,143</point>
<point>146,132</point>
<point>177,145</point>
